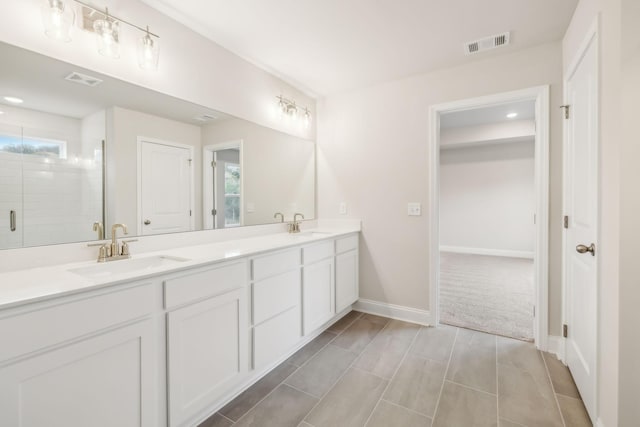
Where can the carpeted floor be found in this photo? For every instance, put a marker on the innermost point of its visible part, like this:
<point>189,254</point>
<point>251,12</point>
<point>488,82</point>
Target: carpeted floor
<point>487,293</point>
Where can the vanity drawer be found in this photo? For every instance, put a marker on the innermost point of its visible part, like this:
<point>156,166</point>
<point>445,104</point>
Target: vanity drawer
<point>204,283</point>
<point>346,244</point>
<point>51,325</point>
<point>275,295</point>
<point>270,265</point>
<point>317,252</point>
<point>273,338</point>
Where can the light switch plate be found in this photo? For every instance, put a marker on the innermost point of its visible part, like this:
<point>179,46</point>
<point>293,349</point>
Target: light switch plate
<point>343,208</point>
<point>414,209</point>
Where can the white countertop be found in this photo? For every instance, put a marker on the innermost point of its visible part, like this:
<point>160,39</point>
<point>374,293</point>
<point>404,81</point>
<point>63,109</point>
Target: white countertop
<point>35,284</point>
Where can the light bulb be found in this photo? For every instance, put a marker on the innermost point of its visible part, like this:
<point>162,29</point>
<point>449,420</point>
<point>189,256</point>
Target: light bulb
<point>57,19</point>
<point>148,52</point>
<point>306,120</point>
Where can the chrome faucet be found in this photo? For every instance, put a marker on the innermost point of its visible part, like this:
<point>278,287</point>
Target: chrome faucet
<point>294,226</point>
<point>279,214</point>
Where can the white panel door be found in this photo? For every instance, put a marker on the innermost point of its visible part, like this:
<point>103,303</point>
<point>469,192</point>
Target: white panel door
<point>317,294</point>
<point>346,280</point>
<point>105,381</point>
<point>207,350</point>
<point>581,204</point>
<point>165,188</point>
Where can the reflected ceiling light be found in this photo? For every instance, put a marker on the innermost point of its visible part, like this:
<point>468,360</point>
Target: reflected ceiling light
<point>148,52</point>
<point>288,108</point>
<point>512,115</point>
<point>58,19</point>
<point>13,100</point>
<point>1,113</point>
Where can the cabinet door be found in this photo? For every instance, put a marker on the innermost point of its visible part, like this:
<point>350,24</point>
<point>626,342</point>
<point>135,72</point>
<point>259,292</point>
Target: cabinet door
<point>317,294</point>
<point>207,353</point>
<point>346,280</point>
<point>105,381</point>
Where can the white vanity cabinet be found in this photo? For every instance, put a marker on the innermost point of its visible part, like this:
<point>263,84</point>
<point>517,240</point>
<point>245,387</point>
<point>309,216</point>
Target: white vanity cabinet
<point>318,305</point>
<point>206,337</point>
<point>81,361</point>
<point>347,288</point>
<point>169,349</point>
<point>276,306</point>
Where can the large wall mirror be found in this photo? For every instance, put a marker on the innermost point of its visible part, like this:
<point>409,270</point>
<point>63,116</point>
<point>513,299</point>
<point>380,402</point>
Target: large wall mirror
<point>80,151</point>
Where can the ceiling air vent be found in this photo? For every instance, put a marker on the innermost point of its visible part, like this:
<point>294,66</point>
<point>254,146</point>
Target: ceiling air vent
<point>487,43</point>
<point>83,79</point>
<point>204,118</point>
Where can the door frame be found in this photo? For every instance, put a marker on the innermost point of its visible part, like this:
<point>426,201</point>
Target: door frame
<point>208,201</point>
<point>591,37</point>
<point>539,94</point>
<point>142,139</point>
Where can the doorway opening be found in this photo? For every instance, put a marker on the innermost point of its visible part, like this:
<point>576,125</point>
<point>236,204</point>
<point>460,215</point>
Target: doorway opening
<point>489,214</point>
<point>223,185</point>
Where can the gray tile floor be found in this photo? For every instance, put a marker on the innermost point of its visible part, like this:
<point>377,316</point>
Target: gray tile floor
<point>368,370</point>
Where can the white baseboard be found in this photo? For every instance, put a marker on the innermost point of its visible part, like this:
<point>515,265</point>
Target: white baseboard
<point>555,345</point>
<point>408,314</point>
<point>485,251</point>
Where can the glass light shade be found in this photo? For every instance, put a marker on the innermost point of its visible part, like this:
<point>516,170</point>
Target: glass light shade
<point>57,18</point>
<point>108,37</point>
<point>148,52</point>
<point>306,119</point>
<point>281,108</point>
<point>292,110</point>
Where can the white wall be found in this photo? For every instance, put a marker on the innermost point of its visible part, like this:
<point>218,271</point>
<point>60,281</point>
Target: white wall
<point>629,410</point>
<point>124,127</point>
<point>358,130</point>
<point>487,198</point>
<point>607,14</point>
<point>278,170</point>
<point>191,67</point>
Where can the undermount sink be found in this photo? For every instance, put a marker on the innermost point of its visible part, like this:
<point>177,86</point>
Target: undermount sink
<point>112,268</point>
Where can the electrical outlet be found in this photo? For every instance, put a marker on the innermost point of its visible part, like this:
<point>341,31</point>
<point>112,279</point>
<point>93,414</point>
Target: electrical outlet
<point>414,209</point>
<point>343,208</point>
<point>251,207</point>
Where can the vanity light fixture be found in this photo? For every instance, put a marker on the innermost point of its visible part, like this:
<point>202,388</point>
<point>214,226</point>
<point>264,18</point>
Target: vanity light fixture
<point>512,115</point>
<point>288,108</point>
<point>58,19</point>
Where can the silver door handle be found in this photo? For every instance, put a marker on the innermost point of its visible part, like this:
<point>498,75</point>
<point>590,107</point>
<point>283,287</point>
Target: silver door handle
<point>147,222</point>
<point>582,249</point>
<point>12,220</point>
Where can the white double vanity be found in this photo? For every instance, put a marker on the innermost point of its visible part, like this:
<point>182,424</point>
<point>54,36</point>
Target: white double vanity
<point>167,338</point>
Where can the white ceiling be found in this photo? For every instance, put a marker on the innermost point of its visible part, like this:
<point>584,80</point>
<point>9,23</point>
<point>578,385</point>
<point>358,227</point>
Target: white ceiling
<point>525,110</point>
<point>330,46</point>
